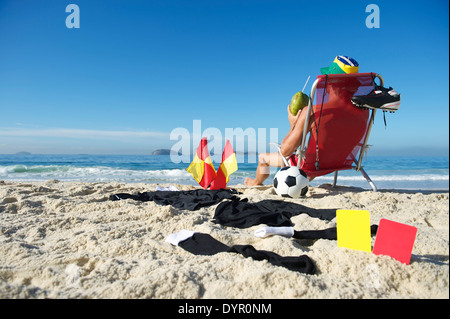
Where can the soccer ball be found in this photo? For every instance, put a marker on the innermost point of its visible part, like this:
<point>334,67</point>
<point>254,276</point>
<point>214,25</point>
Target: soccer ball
<point>291,181</point>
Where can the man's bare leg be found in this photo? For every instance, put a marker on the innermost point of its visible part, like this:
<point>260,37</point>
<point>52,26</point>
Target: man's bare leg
<point>265,161</point>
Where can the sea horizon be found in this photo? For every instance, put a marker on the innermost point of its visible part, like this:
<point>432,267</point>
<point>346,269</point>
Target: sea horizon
<point>387,172</point>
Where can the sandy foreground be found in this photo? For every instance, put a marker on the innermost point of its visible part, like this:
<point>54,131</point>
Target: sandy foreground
<point>68,240</point>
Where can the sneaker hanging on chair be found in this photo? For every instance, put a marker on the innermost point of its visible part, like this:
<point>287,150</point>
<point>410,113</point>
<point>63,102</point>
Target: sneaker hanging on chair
<point>379,99</point>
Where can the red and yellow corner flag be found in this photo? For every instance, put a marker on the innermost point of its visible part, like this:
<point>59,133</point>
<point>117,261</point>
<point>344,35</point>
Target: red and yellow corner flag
<point>226,168</point>
<point>202,168</point>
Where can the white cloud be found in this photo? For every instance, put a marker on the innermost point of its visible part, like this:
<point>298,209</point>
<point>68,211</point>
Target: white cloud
<point>79,133</point>
<point>67,141</point>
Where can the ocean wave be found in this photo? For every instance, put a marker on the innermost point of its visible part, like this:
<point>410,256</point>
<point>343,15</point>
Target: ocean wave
<point>181,176</point>
<point>97,173</point>
<point>35,169</point>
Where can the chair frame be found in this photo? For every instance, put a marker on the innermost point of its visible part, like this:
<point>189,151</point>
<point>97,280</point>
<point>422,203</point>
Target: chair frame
<point>301,151</point>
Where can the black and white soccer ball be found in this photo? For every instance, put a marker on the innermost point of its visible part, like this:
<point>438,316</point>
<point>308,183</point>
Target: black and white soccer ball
<point>291,181</point>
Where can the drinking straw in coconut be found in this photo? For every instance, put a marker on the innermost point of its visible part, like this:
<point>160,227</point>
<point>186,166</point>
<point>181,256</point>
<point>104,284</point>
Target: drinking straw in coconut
<point>306,83</point>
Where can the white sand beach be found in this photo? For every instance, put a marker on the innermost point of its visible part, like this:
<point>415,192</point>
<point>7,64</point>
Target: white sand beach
<point>68,240</point>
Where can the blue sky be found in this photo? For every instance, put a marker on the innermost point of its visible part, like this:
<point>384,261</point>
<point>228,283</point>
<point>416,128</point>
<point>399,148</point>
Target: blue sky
<point>136,70</point>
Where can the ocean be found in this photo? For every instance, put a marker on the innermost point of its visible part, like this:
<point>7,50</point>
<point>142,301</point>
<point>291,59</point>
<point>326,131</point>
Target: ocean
<point>389,172</point>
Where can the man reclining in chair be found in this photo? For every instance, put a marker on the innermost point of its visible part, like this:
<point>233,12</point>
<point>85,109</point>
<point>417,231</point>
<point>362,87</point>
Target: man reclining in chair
<point>293,139</point>
<point>289,145</point>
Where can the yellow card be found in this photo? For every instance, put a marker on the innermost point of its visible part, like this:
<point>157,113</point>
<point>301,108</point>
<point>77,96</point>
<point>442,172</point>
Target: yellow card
<point>353,229</point>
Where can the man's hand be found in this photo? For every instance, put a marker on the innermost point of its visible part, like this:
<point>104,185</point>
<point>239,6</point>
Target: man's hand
<point>292,118</point>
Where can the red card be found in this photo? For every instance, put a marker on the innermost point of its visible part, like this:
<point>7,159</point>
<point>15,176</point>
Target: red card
<point>395,240</point>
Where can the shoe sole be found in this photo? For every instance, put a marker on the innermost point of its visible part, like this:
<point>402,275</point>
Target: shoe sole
<point>392,107</point>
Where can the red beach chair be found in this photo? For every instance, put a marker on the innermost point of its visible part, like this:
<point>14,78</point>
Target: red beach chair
<point>340,130</point>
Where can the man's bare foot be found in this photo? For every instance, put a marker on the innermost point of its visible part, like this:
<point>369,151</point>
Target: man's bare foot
<point>251,182</point>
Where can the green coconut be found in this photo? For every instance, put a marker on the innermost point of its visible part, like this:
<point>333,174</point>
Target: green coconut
<point>298,102</point>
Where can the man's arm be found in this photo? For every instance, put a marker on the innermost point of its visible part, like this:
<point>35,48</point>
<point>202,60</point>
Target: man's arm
<point>293,139</point>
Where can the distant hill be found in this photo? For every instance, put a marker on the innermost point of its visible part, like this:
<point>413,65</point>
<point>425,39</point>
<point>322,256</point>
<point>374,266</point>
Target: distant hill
<point>23,153</point>
<point>162,151</point>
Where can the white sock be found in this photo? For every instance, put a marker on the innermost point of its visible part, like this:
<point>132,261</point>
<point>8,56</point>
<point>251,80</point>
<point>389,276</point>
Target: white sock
<point>269,231</point>
<point>176,238</point>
